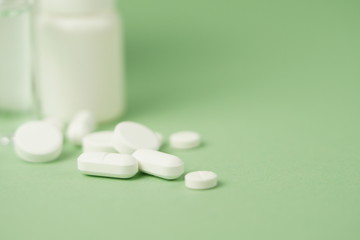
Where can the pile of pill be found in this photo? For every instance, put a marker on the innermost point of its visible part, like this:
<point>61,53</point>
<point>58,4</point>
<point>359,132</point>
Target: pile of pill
<point>131,147</point>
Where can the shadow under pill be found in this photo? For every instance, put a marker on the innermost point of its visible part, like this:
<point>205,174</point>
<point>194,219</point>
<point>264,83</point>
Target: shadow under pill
<point>134,178</point>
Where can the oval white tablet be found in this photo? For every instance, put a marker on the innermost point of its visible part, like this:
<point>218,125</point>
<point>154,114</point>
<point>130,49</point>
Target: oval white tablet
<point>184,140</point>
<point>98,142</point>
<point>130,136</point>
<point>201,180</point>
<point>38,141</point>
<point>103,164</point>
<point>159,164</point>
<point>82,124</point>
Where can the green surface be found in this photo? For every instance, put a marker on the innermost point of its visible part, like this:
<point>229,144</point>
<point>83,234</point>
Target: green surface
<point>272,86</point>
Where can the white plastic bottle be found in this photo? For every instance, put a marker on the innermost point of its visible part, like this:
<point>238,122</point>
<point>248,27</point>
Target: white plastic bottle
<point>15,56</point>
<point>79,59</point>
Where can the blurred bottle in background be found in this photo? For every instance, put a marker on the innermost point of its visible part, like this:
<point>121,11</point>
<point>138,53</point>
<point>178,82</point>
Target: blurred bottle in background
<point>79,63</point>
<point>15,57</point>
<point>16,91</point>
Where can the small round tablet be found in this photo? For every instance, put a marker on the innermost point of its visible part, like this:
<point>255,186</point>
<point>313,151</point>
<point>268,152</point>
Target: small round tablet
<point>5,140</point>
<point>130,136</point>
<point>38,141</point>
<point>200,180</point>
<point>98,142</point>
<point>185,140</point>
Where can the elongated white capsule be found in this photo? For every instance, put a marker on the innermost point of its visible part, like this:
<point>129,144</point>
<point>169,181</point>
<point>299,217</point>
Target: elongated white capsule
<point>159,164</point>
<point>81,125</point>
<point>107,164</point>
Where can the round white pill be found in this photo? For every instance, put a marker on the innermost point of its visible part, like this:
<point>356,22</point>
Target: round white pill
<point>130,136</point>
<point>98,142</point>
<point>38,141</point>
<point>81,125</point>
<point>184,140</point>
<point>200,180</point>
<point>5,140</point>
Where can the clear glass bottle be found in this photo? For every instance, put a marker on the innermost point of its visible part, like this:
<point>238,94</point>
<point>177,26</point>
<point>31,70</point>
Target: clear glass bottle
<point>16,95</point>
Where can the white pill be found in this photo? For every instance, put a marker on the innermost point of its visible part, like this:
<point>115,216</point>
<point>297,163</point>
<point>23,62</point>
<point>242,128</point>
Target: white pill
<point>103,164</point>
<point>184,140</point>
<point>38,141</point>
<point>56,122</point>
<point>5,140</point>
<point>81,125</point>
<point>98,142</point>
<point>130,136</point>
<point>159,164</point>
<point>160,138</point>
<point>201,180</point>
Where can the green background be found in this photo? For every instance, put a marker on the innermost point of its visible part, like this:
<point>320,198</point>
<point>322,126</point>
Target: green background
<point>273,88</point>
